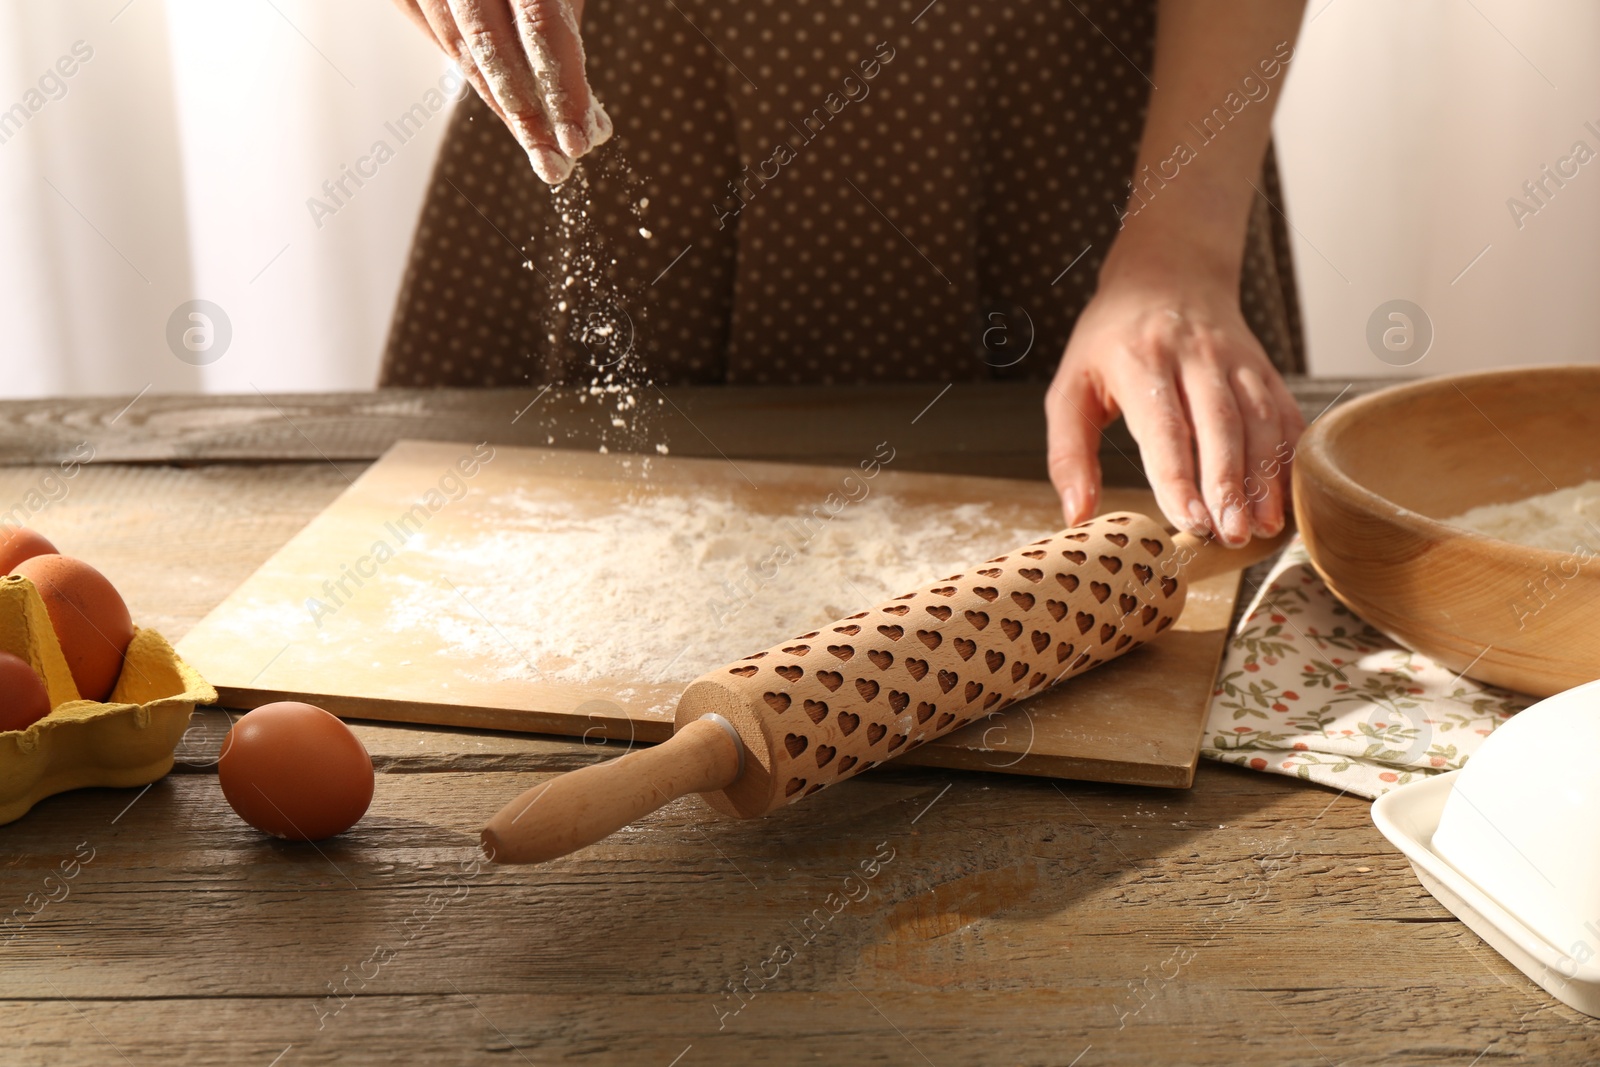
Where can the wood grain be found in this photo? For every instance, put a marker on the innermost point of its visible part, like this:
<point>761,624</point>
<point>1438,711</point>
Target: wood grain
<point>999,431</point>
<point>1020,922</point>
<point>1140,724</point>
<point>1016,921</point>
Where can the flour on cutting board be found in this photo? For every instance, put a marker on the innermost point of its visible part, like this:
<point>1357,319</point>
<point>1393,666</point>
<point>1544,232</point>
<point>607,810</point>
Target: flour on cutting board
<point>666,587</point>
<point>1561,520</point>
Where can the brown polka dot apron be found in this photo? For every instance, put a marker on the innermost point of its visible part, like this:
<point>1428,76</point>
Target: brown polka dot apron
<point>806,192</point>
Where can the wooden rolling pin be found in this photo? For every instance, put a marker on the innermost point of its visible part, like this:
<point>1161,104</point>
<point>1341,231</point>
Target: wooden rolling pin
<point>825,706</point>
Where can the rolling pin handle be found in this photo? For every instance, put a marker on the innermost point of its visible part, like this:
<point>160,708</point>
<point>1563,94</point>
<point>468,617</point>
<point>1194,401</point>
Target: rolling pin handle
<point>1200,557</point>
<point>577,809</point>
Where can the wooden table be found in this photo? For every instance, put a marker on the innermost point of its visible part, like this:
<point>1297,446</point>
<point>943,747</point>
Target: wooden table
<point>914,916</point>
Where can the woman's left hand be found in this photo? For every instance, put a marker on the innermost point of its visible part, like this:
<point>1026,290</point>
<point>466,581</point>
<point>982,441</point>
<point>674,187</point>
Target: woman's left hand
<point>1164,344</point>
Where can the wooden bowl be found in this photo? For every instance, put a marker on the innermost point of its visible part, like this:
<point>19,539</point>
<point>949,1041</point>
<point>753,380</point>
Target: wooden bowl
<point>1374,479</point>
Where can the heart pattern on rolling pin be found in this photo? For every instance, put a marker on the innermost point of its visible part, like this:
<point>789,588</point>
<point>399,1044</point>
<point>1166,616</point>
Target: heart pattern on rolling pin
<point>1108,585</point>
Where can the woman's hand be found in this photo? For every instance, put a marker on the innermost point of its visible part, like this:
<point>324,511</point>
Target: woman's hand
<point>1164,344</point>
<point>525,58</point>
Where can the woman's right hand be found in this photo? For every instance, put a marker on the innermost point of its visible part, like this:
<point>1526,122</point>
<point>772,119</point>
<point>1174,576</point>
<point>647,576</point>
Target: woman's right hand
<point>525,58</point>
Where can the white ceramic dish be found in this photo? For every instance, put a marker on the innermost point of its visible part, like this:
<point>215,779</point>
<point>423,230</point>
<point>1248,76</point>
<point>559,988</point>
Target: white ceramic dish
<point>1511,844</point>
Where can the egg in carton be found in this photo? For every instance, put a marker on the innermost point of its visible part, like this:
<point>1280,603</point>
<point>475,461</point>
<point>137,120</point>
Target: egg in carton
<point>128,740</point>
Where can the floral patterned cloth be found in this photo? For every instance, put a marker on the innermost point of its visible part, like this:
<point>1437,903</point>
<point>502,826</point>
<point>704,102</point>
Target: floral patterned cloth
<point>1308,689</point>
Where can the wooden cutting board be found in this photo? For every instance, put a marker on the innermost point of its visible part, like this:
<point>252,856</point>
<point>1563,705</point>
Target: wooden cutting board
<point>461,585</point>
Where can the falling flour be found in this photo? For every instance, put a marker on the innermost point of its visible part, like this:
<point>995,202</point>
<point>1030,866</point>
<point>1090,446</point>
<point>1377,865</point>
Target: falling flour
<point>593,325</point>
<point>1562,520</point>
<point>669,586</point>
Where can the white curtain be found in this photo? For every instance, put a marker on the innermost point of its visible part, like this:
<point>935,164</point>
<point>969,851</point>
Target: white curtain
<point>1404,130</point>
<point>175,163</point>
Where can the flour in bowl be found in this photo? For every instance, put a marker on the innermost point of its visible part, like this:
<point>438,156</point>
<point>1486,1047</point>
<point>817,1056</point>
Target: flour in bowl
<point>668,586</point>
<point>1561,520</point>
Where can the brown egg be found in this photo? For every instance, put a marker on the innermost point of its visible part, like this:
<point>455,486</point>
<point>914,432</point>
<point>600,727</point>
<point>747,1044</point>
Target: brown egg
<point>90,619</point>
<point>18,543</point>
<point>23,699</point>
<point>294,771</point>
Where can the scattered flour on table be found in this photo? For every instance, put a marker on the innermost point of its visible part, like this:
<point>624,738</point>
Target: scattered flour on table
<point>667,587</point>
<point>1560,520</point>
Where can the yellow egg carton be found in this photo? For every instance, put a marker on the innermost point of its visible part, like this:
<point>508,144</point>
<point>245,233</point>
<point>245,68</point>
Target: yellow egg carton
<point>126,741</point>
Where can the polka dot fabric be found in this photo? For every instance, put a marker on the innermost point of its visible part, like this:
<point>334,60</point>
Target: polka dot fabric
<point>840,192</point>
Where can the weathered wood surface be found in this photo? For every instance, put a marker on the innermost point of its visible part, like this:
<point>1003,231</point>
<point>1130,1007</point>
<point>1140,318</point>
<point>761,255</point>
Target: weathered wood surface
<point>1014,922</point>
<point>991,428</point>
<point>1250,919</point>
